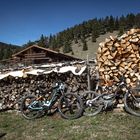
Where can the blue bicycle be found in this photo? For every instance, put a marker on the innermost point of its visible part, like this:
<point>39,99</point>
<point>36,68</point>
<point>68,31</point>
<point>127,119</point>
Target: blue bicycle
<point>70,106</point>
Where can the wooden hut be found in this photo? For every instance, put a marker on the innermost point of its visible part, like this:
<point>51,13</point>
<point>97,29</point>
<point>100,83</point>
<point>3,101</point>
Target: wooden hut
<point>35,55</point>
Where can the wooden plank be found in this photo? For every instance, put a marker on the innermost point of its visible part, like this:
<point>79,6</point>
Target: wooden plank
<point>35,55</point>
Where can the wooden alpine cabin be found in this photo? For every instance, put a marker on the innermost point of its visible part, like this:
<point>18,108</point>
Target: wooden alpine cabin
<point>36,55</point>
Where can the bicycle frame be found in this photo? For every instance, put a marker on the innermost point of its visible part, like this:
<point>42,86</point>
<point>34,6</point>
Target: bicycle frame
<point>106,98</point>
<point>47,104</point>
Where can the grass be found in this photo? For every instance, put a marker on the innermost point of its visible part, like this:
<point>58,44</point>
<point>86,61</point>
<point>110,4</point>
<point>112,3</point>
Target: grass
<point>106,126</point>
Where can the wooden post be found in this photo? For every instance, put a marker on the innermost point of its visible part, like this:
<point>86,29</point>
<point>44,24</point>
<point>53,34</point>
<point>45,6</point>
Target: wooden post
<point>88,74</point>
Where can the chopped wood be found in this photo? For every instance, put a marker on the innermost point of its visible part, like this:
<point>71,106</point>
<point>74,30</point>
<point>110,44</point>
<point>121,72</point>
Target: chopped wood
<point>122,58</point>
<point>12,89</point>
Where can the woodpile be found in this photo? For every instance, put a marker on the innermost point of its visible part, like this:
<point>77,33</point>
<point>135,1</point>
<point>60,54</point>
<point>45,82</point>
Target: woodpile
<point>120,56</point>
<point>12,89</point>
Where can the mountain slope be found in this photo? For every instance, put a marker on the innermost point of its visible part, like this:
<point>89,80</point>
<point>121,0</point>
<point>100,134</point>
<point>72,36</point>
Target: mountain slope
<point>6,50</point>
<point>92,46</point>
<point>75,39</point>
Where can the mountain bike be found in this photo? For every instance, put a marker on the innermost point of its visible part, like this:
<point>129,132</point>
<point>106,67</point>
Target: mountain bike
<point>95,102</point>
<point>70,106</point>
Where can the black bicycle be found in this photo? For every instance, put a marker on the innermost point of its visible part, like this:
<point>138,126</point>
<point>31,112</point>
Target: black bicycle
<point>105,98</point>
<point>69,105</point>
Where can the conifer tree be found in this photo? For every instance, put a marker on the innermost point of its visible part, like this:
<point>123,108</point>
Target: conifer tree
<point>111,24</point>
<point>137,20</point>
<point>29,43</point>
<point>72,53</point>
<point>116,24</point>
<point>130,19</point>
<point>67,47</point>
<point>41,42</point>
<point>85,48</point>
<point>93,37</point>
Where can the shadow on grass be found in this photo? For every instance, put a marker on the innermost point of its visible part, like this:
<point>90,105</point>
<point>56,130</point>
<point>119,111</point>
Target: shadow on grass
<point>2,134</point>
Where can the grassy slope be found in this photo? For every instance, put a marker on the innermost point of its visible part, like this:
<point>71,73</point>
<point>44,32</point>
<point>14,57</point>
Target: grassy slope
<point>110,126</point>
<point>92,47</point>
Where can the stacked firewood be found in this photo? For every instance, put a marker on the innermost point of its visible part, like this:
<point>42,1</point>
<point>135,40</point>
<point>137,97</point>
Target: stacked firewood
<point>120,56</point>
<point>12,89</point>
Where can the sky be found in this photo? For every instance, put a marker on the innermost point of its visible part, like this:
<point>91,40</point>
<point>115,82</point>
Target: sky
<point>24,20</point>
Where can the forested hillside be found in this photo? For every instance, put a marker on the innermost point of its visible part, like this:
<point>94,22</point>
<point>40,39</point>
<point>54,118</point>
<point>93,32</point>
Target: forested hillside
<point>82,35</point>
<point>6,50</point>
<point>92,28</point>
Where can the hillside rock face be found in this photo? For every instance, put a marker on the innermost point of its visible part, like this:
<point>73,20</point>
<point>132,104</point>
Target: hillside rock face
<point>120,56</point>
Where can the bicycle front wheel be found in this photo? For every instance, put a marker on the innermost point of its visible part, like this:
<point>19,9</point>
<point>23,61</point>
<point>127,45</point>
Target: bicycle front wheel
<point>92,104</point>
<point>70,106</point>
<point>26,111</point>
<point>132,103</point>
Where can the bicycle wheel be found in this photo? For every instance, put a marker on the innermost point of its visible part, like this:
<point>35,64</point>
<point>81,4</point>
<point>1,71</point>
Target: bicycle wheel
<point>91,107</point>
<point>132,103</point>
<point>70,106</point>
<point>27,112</point>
